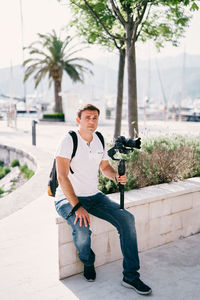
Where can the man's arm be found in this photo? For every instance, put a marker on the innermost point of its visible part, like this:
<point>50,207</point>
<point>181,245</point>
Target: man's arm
<point>63,166</point>
<point>110,173</point>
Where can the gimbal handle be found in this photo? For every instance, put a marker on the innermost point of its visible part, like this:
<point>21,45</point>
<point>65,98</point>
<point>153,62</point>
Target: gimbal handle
<point>121,171</point>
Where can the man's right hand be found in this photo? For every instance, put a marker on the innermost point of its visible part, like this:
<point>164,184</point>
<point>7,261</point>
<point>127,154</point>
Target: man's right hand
<point>83,215</point>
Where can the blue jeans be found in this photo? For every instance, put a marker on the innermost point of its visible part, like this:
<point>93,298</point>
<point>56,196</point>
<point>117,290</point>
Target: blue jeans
<point>102,207</point>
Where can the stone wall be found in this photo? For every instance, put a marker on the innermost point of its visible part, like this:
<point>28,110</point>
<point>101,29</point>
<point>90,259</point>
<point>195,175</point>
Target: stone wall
<point>8,154</point>
<point>163,214</point>
<point>35,186</point>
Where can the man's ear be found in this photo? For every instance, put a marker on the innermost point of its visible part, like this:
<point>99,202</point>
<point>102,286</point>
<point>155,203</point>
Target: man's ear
<point>78,120</point>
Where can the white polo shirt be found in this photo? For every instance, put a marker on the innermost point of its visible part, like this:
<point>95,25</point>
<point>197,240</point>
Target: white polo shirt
<point>85,164</point>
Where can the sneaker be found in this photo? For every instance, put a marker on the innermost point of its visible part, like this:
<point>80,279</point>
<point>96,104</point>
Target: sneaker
<point>138,286</point>
<point>89,273</point>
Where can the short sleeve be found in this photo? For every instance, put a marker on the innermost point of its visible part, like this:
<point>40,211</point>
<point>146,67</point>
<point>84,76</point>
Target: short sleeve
<point>105,154</point>
<point>65,147</point>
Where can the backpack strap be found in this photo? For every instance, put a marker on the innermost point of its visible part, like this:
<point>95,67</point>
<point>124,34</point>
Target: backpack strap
<point>53,181</point>
<point>75,144</point>
<point>100,136</point>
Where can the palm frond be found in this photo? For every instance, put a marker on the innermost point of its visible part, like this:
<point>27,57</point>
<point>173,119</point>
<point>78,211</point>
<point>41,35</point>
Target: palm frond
<point>30,60</point>
<point>85,60</point>
<point>73,73</point>
<point>82,69</point>
<point>39,75</point>
<point>69,54</point>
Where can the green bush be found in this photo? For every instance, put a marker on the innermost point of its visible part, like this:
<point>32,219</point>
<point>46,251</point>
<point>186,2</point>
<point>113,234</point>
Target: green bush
<point>59,116</point>
<point>1,191</point>
<point>4,171</point>
<point>15,163</point>
<point>26,171</point>
<point>1,163</point>
<point>160,160</point>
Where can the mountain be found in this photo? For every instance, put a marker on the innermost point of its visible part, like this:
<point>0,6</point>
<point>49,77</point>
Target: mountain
<point>179,76</point>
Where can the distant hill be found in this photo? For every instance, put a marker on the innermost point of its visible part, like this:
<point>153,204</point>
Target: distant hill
<point>180,79</point>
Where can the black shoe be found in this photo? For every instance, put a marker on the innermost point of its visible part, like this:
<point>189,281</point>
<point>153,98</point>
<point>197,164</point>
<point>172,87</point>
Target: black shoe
<point>89,273</point>
<point>138,286</point>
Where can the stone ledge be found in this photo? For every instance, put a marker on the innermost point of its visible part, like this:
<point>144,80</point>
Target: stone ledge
<point>154,193</point>
<point>163,213</point>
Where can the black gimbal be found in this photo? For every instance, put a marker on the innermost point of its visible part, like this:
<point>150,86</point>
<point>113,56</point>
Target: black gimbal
<point>124,146</point>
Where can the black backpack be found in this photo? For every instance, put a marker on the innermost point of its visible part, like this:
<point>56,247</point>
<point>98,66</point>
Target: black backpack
<point>53,182</point>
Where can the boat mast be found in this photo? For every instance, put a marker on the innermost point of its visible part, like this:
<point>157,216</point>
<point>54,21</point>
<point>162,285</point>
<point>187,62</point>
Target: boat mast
<point>22,41</point>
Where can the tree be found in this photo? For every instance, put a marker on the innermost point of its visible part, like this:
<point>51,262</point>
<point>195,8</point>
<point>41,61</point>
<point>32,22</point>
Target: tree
<point>90,21</point>
<point>163,20</point>
<point>52,56</point>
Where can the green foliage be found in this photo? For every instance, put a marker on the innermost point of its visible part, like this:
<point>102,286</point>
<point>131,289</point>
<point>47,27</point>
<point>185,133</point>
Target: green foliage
<point>26,171</point>
<point>7,170</point>
<point>1,191</point>
<point>55,57</point>
<point>1,163</point>
<point>4,171</point>
<point>121,23</point>
<point>106,185</point>
<point>163,21</point>
<point>52,55</point>
<point>59,116</point>
<point>15,163</point>
<point>91,28</point>
<point>160,160</point>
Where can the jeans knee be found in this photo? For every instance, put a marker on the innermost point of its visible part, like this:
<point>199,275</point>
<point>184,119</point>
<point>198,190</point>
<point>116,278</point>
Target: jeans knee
<point>82,237</point>
<point>130,219</point>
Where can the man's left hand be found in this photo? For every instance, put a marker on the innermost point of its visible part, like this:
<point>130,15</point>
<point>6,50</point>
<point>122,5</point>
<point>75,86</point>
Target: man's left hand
<point>121,179</point>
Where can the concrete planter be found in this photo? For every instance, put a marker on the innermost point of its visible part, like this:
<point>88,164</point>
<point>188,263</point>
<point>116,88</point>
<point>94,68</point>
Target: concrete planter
<point>163,214</point>
<point>36,160</point>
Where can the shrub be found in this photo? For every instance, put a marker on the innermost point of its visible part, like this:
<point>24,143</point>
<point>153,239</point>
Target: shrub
<point>4,171</point>
<point>160,160</point>
<point>26,171</point>
<point>59,116</point>
<point>1,163</point>
<point>1,191</point>
<point>15,163</point>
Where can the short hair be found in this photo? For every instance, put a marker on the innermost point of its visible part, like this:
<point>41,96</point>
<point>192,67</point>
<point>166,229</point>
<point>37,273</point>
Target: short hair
<point>87,107</point>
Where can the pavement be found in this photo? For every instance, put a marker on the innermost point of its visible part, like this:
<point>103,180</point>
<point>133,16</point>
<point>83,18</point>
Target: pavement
<point>28,241</point>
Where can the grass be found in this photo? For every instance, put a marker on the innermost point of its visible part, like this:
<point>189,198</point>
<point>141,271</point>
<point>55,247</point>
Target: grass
<point>15,163</point>
<point>26,171</point>
<point>1,191</point>
<point>4,171</point>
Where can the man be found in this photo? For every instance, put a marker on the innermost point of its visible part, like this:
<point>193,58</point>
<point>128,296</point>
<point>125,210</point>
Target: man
<point>77,197</point>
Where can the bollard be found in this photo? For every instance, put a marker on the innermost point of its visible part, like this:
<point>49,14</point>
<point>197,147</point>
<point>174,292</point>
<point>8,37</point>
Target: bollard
<point>34,122</point>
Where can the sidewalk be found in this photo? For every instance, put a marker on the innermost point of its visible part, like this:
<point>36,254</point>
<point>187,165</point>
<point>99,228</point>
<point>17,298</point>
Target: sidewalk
<point>28,251</point>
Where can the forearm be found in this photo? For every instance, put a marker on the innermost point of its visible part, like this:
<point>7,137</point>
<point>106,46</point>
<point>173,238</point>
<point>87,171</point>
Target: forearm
<point>109,172</point>
<point>67,189</point>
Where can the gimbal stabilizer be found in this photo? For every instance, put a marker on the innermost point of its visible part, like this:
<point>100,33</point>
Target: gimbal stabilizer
<point>124,146</point>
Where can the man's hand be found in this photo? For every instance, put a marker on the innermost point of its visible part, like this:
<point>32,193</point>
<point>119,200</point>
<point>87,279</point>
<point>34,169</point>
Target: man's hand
<point>121,179</point>
<point>83,215</point>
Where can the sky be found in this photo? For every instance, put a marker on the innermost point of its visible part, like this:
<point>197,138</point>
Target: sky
<point>44,15</point>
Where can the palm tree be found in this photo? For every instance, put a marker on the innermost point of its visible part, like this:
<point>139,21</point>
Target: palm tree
<point>51,56</point>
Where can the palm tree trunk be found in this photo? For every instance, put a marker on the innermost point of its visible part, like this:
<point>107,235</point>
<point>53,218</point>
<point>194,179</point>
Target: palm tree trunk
<point>132,87</point>
<point>120,89</point>
<point>58,99</point>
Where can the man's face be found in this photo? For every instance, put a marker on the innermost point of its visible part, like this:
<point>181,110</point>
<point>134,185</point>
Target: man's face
<point>88,121</point>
